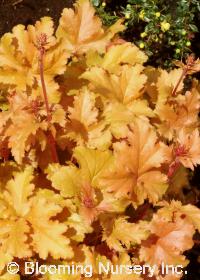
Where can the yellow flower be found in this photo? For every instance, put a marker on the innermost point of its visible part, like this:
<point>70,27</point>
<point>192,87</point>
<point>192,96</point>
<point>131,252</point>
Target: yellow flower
<point>165,26</point>
<point>188,43</point>
<point>103,4</point>
<point>141,14</point>
<point>141,45</point>
<point>183,32</point>
<point>178,51</point>
<point>127,15</point>
<point>157,14</point>
<point>143,34</point>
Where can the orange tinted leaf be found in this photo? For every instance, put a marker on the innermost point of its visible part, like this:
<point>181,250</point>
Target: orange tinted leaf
<point>172,239</point>
<point>136,171</point>
<point>82,30</point>
<point>191,146</point>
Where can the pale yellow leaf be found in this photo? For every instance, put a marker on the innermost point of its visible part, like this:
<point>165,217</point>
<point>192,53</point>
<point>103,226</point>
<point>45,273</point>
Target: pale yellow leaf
<point>18,191</point>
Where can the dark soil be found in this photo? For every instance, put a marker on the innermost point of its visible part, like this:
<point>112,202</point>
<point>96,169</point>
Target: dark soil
<point>13,12</point>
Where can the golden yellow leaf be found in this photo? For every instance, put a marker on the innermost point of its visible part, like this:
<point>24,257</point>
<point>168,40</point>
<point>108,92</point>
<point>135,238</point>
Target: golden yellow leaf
<point>8,276</point>
<point>13,235</point>
<point>92,163</point>
<point>166,83</point>
<point>118,55</point>
<point>124,88</point>
<point>64,179</point>
<point>18,191</point>
<point>26,126</point>
<point>119,116</point>
<point>77,222</point>
<point>99,136</point>
<point>19,57</point>
<point>84,127</point>
<point>84,109</point>
<point>124,233</point>
<point>23,232</point>
<point>70,79</point>
<point>48,235</point>
<point>124,259</point>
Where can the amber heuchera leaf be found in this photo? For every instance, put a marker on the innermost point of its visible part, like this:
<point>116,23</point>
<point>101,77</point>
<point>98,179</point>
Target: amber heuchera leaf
<point>25,123</point>
<point>19,64</point>
<point>48,235</point>
<point>21,220</point>
<point>84,108</point>
<point>18,191</point>
<point>165,84</point>
<point>175,208</point>
<point>120,234</point>
<point>121,95</point>
<point>190,144</point>
<point>81,183</point>
<point>171,239</point>
<point>64,179</point>
<point>81,30</point>
<point>191,65</point>
<point>180,112</point>
<point>83,116</point>
<point>116,56</point>
<point>92,163</point>
<point>136,172</point>
<point>123,88</point>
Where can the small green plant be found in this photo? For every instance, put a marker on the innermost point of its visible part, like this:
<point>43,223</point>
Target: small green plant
<point>108,17</point>
<point>157,27</point>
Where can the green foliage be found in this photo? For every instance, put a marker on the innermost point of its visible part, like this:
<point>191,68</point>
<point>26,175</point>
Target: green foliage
<point>108,17</point>
<point>165,30</point>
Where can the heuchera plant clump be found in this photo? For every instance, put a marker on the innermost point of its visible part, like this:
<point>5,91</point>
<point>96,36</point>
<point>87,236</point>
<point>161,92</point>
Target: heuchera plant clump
<point>96,149</point>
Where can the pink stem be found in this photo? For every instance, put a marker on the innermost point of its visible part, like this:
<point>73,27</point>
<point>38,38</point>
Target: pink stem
<point>51,139</point>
